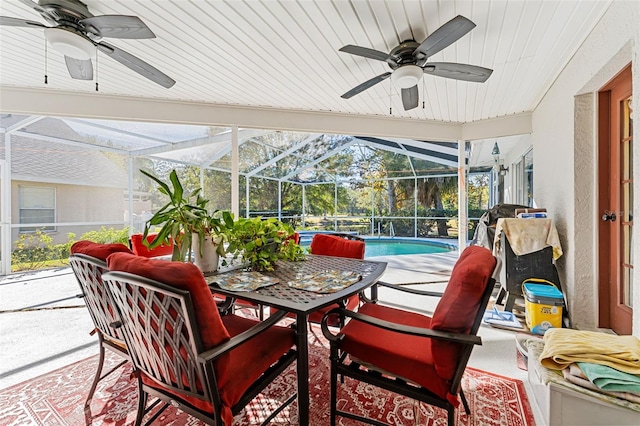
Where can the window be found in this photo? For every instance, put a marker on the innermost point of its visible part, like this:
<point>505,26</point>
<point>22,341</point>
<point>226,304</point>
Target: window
<point>37,205</point>
<point>524,179</point>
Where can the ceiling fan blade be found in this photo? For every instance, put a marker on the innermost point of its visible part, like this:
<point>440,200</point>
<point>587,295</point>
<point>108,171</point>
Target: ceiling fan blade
<point>136,64</point>
<point>18,22</point>
<point>34,6</point>
<point>364,86</point>
<point>79,69</point>
<point>442,37</point>
<point>118,26</point>
<point>410,98</point>
<point>457,71</point>
<point>367,53</point>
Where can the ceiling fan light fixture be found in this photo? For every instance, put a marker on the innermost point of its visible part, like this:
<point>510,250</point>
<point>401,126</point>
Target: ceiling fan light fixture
<point>69,43</point>
<point>406,76</point>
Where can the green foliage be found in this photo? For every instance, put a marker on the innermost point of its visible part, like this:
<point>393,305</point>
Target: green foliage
<point>183,215</point>
<point>32,249</point>
<point>105,236</point>
<point>36,250</point>
<point>260,242</point>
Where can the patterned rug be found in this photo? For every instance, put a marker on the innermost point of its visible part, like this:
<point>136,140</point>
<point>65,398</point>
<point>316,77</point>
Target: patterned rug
<point>57,399</point>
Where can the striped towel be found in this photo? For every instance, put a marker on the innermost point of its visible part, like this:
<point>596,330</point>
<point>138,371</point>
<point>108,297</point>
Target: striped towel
<point>563,346</point>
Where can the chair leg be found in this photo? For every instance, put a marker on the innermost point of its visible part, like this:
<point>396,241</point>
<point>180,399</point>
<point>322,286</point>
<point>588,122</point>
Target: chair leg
<point>451,418</point>
<point>334,386</point>
<point>142,403</point>
<point>511,300</point>
<point>465,403</point>
<point>501,293</point>
<point>96,379</point>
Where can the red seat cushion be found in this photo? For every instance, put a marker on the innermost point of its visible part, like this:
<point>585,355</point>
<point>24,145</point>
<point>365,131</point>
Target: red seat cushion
<point>184,276</point>
<point>97,250</point>
<point>457,309</point>
<point>332,245</point>
<point>247,362</point>
<point>140,249</point>
<point>402,355</point>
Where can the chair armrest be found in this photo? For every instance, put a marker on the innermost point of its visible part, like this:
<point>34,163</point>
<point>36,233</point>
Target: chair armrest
<point>401,287</point>
<point>241,338</point>
<point>399,328</point>
<point>225,305</point>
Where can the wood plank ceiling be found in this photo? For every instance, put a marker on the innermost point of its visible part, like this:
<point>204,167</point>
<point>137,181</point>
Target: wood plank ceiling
<point>284,54</point>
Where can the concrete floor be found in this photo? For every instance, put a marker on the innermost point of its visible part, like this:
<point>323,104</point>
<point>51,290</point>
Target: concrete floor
<point>44,326</point>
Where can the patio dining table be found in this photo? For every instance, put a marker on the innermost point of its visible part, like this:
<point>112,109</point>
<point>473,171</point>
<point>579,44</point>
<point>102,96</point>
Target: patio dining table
<point>286,295</point>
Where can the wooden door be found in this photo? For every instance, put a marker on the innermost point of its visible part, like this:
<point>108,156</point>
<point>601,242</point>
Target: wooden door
<point>615,152</point>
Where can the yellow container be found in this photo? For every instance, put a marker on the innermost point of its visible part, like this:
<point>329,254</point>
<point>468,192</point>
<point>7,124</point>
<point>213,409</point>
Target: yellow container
<point>543,307</point>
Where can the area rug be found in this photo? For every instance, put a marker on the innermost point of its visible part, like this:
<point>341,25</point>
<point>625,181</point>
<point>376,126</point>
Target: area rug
<point>57,399</point>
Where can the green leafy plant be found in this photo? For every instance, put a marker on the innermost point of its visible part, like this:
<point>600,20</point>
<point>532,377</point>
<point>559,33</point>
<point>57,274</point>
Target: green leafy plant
<point>261,242</point>
<point>182,216</point>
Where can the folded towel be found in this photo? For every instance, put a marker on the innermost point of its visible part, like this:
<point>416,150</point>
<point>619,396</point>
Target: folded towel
<point>610,379</point>
<point>573,374</point>
<point>562,346</point>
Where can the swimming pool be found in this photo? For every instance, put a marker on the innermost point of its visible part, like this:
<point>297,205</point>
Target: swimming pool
<point>395,246</point>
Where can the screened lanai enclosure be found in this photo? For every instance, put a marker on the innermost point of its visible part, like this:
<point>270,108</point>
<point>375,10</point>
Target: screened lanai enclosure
<point>64,179</point>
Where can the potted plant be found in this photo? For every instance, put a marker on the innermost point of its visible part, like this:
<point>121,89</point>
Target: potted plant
<point>207,241</point>
<point>261,242</point>
<point>186,223</point>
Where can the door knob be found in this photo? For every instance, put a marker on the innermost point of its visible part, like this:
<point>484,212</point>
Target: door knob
<point>611,216</point>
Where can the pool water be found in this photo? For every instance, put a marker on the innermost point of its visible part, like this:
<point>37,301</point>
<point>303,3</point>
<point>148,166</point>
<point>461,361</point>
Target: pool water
<point>391,247</point>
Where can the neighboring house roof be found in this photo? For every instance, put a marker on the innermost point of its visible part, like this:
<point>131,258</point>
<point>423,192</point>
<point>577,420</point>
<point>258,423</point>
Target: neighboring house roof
<point>45,161</point>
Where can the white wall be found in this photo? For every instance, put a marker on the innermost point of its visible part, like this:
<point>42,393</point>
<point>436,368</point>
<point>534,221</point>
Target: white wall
<point>564,140</point>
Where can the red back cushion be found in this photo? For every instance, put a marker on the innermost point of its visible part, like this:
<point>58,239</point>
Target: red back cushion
<point>185,276</point>
<point>331,245</point>
<point>141,250</point>
<point>97,250</point>
<point>457,309</point>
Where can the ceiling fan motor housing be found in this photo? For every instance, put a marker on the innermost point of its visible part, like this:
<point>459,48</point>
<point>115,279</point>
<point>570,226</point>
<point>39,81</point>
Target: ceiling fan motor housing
<point>403,53</point>
<point>406,73</point>
<point>65,12</point>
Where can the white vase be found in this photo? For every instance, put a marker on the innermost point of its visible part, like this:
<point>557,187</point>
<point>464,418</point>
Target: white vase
<point>208,262</point>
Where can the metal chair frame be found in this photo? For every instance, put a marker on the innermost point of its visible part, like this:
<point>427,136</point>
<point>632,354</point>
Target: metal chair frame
<point>88,271</point>
<point>343,366</point>
<point>136,297</point>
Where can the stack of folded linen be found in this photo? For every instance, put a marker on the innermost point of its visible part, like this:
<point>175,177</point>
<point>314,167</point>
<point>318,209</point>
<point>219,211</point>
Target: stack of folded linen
<point>603,379</point>
<point>600,362</point>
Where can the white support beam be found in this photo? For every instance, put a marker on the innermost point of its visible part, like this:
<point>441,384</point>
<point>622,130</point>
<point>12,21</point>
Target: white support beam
<point>319,159</point>
<point>61,141</point>
<point>462,198</point>
<point>5,207</point>
<point>118,131</point>
<point>510,125</point>
<point>283,154</point>
<point>130,193</point>
<point>235,173</point>
<point>24,123</point>
<point>113,107</point>
<point>220,138</point>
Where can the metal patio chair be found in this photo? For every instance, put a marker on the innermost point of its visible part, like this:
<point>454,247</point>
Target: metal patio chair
<point>411,354</point>
<point>88,263</point>
<point>184,352</point>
